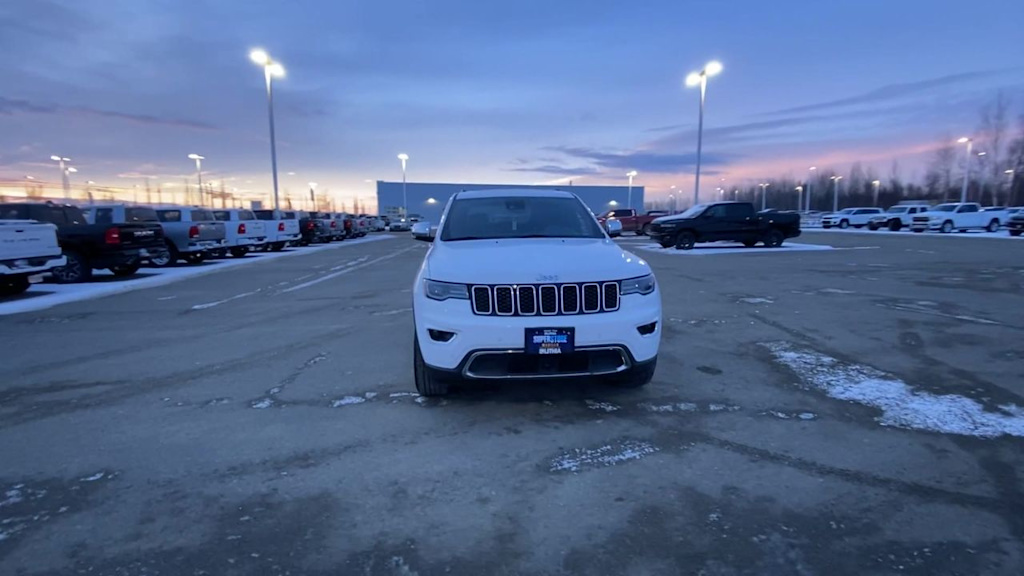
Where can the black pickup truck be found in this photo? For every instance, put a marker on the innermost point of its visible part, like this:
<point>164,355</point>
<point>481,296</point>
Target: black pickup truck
<point>732,221</point>
<point>88,247</point>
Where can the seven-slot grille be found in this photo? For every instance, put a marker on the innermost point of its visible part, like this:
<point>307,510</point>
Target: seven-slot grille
<point>544,299</point>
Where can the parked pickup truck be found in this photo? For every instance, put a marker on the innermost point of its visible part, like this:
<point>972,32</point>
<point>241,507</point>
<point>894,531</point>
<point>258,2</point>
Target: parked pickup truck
<point>87,247</point>
<point>243,231</point>
<point>191,233</point>
<point>281,228</point>
<point>897,217</point>
<point>856,217</point>
<point>956,216</point>
<point>639,224</point>
<point>1016,223</point>
<point>733,221</point>
<point>312,229</point>
<point>130,214</point>
<point>26,248</point>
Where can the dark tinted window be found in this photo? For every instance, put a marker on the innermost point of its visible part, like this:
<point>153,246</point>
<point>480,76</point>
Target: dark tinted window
<point>718,211</point>
<point>203,216</point>
<point>264,214</point>
<point>104,216</point>
<point>290,215</point>
<point>74,215</point>
<point>966,208</point>
<point>222,215</point>
<point>140,215</point>
<point>246,215</point>
<point>14,213</point>
<point>519,217</point>
<point>622,213</point>
<point>169,215</point>
<point>738,210</point>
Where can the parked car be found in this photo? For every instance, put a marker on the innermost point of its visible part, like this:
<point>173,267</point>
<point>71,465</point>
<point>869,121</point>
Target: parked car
<point>191,234</point>
<point>243,231</point>
<point>525,284</point>
<point>334,225</point>
<point>958,216</point>
<point>312,229</point>
<point>856,217</point>
<point>733,221</point>
<point>26,248</point>
<point>281,228</point>
<point>400,224</point>
<point>632,221</point>
<point>897,217</point>
<point>119,247</point>
<point>1016,223</point>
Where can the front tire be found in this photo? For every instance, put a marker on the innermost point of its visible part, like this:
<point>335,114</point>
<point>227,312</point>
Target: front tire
<point>773,239</point>
<point>993,226</point>
<point>637,376</point>
<point>1015,233</point>
<point>685,240</point>
<point>239,252</point>
<point>750,243</point>
<point>125,270</point>
<point>843,225</point>
<point>947,227</point>
<point>13,285</point>
<point>895,225</point>
<point>76,270</point>
<point>167,259</point>
<point>646,230</point>
<point>872,227</point>
<point>427,384</point>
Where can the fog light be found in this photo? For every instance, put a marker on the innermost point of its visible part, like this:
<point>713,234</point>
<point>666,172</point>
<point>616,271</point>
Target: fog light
<point>440,335</point>
<point>647,328</point>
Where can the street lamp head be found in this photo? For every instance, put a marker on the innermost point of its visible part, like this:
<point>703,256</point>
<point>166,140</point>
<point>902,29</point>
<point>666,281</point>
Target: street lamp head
<point>403,157</point>
<point>291,173</point>
<point>312,184</point>
<point>431,201</point>
<point>613,203</point>
<point>631,173</point>
<point>72,169</point>
<point>196,157</point>
<point>260,57</point>
<point>982,153</point>
<point>713,68</point>
<point>89,182</point>
<point>1006,172</point>
<point>33,177</point>
<point>813,168</point>
<point>275,69</point>
<point>877,182</point>
<point>693,79</point>
<point>963,140</point>
<point>55,158</point>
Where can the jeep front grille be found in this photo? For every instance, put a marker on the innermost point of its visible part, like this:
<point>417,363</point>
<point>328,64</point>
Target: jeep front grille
<point>545,300</point>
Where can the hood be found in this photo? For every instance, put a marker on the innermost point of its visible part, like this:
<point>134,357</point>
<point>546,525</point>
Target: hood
<point>670,218</point>
<point>532,261</point>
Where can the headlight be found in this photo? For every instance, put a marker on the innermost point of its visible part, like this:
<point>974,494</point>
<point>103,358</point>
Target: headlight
<point>642,285</point>
<point>443,290</point>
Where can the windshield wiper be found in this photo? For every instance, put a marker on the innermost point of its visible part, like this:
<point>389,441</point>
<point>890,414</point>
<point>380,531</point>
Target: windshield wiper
<point>460,238</point>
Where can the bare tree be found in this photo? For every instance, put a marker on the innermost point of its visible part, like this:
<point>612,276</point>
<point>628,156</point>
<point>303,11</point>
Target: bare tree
<point>942,165</point>
<point>995,122</point>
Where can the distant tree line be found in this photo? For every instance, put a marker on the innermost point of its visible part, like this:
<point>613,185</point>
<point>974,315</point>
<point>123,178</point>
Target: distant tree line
<point>997,147</point>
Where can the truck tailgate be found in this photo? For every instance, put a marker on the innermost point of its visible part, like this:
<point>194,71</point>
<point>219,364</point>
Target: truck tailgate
<point>291,226</point>
<point>255,229</point>
<point>27,239</point>
<point>210,231</point>
<point>141,235</point>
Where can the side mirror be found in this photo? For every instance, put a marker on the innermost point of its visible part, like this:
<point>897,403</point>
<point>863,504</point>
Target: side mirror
<point>424,231</point>
<point>614,228</point>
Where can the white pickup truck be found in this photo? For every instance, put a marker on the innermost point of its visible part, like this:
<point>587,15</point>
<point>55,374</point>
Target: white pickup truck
<point>26,248</point>
<point>242,230</point>
<point>960,217</point>
<point>282,228</point>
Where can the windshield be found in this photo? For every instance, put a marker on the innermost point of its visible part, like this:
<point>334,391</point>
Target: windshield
<point>847,211</point>
<point>897,210</point>
<point>945,208</point>
<point>519,217</point>
<point>693,211</point>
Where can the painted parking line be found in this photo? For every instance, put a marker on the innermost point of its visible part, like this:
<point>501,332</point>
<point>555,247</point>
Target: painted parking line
<point>47,295</point>
<point>736,248</point>
<point>348,269</point>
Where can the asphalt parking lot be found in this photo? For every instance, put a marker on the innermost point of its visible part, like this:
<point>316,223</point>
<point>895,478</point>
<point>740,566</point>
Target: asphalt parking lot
<point>856,407</point>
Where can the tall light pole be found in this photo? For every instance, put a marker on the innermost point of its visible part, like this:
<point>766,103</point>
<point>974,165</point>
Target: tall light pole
<point>629,194</point>
<point>835,193</point>
<point>876,184</point>
<point>199,174</point>
<point>799,196</point>
<point>810,178</point>
<point>65,183</point>
<point>983,180</point>
<point>712,68</point>
<point>967,168</point>
<point>312,196</point>
<point>1009,186</point>
<point>764,196</point>
<point>88,190</point>
<point>405,199</point>
<point>270,70</point>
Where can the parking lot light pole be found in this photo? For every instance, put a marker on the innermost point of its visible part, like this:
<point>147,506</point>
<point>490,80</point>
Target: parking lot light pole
<point>809,180</point>
<point>65,183</point>
<point>764,196</point>
<point>199,174</point>
<point>629,194</point>
<point>799,196</point>
<point>1009,186</point>
<point>312,196</point>
<point>270,70</point>
<point>835,193</point>
<point>712,68</point>
<point>876,184</point>
<point>405,199</point>
<point>967,168</point>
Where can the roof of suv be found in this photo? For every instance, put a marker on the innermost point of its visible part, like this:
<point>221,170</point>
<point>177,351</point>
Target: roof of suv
<point>514,193</point>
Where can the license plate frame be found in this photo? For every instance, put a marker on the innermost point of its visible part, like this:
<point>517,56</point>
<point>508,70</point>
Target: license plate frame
<point>550,341</point>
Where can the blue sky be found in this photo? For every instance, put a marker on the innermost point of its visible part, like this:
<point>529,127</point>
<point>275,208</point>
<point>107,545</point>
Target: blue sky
<point>519,92</point>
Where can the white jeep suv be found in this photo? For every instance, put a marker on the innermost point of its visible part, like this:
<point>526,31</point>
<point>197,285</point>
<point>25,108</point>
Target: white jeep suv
<point>526,284</point>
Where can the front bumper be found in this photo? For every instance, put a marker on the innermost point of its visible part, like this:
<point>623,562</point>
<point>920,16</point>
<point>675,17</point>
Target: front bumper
<point>33,265</point>
<point>930,225</point>
<point>1015,225</point>
<point>473,334</point>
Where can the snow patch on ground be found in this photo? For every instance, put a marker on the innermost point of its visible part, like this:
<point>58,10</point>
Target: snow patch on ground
<point>347,401</point>
<point>608,455</point>
<point>676,407</point>
<point>757,300</point>
<point>901,405</point>
<point>262,403</point>
<point>605,406</point>
<point>835,291</point>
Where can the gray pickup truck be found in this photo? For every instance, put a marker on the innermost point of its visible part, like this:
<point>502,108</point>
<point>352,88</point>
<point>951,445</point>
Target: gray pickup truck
<point>192,234</point>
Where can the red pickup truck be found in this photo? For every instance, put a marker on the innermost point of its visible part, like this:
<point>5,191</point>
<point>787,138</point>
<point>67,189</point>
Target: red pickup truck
<point>639,224</point>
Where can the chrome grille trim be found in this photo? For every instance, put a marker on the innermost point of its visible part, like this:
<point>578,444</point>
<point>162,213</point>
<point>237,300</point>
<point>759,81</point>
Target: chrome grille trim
<point>498,290</point>
<point>548,288</point>
<point>486,292</point>
<point>595,289</point>
<point>522,291</point>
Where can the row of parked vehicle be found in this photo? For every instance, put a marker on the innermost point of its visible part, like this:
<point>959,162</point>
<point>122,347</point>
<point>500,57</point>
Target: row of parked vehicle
<point>921,217</point>
<point>71,242</point>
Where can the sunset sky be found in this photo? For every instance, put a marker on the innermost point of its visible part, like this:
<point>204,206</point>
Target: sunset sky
<point>516,92</point>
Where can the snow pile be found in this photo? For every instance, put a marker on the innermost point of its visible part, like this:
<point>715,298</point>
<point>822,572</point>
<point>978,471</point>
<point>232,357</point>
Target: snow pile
<point>901,406</point>
<point>347,401</point>
<point>607,455</point>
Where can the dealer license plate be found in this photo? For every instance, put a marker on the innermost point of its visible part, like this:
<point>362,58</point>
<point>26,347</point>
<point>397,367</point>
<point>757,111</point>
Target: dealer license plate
<point>550,340</point>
